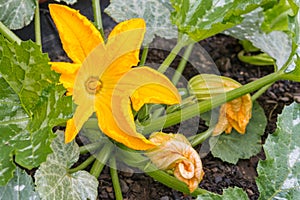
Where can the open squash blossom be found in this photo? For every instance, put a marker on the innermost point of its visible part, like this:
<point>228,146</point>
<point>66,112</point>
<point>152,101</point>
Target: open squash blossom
<point>174,152</point>
<point>101,78</point>
<point>233,114</point>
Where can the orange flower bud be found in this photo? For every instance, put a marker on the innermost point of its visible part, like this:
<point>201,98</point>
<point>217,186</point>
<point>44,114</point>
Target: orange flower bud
<point>234,114</point>
<point>174,152</point>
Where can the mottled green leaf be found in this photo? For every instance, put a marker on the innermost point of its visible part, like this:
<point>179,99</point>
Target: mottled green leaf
<point>67,1</point>
<point>228,194</point>
<point>232,147</point>
<point>279,173</point>
<point>31,104</point>
<point>53,180</point>
<point>19,187</point>
<point>204,18</point>
<point>156,13</point>
<point>16,14</point>
<point>275,43</point>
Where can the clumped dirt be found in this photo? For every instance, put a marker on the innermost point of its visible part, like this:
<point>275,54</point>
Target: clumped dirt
<point>218,175</point>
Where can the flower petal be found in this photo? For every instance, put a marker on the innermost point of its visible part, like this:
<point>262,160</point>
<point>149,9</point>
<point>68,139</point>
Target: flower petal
<point>108,125</point>
<point>78,35</point>
<point>81,115</point>
<point>149,86</point>
<point>123,46</point>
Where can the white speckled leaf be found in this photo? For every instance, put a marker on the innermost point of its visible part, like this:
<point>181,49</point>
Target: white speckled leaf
<point>67,1</point>
<point>203,18</point>
<point>31,104</point>
<point>53,180</point>
<point>228,194</point>
<point>19,187</point>
<point>279,173</point>
<point>156,13</point>
<point>16,14</point>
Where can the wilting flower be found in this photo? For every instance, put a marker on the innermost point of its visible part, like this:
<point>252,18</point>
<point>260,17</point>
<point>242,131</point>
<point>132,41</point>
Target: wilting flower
<point>174,152</point>
<point>233,114</point>
<point>102,80</point>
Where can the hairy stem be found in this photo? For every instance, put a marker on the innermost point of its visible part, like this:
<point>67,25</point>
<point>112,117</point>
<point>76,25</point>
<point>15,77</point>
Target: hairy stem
<point>37,25</point>
<point>8,34</point>
<point>101,160</point>
<point>83,165</point>
<point>115,179</point>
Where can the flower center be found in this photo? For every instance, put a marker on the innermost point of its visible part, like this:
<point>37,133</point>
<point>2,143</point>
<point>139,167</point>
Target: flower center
<point>93,85</point>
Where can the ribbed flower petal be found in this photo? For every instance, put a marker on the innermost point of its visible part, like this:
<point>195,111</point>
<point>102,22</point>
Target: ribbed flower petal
<point>78,35</point>
<point>107,123</point>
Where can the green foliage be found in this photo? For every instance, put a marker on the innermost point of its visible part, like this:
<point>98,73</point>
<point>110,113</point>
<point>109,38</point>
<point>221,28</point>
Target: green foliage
<point>53,180</point>
<point>16,14</point>
<point>228,194</point>
<point>232,147</point>
<point>67,1</point>
<point>279,173</point>
<point>202,19</point>
<point>19,187</point>
<point>156,13</point>
<point>31,105</point>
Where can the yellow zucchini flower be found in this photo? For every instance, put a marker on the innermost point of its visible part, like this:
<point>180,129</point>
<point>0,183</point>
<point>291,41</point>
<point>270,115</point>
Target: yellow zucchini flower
<point>101,78</point>
<point>174,152</point>
<point>233,114</point>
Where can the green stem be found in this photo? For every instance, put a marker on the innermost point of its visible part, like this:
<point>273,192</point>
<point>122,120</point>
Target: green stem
<point>115,179</point>
<point>144,55</point>
<point>90,147</point>
<point>204,106</point>
<point>260,92</point>
<point>182,64</point>
<point>37,25</point>
<point>83,165</point>
<point>133,159</point>
<point>97,16</point>
<point>200,138</point>
<point>101,160</point>
<point>8,34</point>
<point>167,62</point>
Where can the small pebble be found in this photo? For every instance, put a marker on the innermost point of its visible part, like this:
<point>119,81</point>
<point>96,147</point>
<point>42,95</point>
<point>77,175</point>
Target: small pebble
<point>164,198</point>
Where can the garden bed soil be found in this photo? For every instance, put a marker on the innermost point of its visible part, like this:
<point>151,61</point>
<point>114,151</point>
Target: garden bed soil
<point>218,175</point>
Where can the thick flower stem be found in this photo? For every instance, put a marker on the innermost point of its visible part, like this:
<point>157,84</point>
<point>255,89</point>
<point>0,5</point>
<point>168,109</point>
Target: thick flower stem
<point>83,165</point>
<point>90,147</point>
<point>204,106</point>
<point>37,25</point>
<point>8,34</point>
<point>133,159</point>
<point>201,137</point>
<point>167,62</point>
<point>101,160</point>
<point>115,179</point>
<point>97,16</point>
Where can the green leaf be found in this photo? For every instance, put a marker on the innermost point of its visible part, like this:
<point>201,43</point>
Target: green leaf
<point>276,44</point>
<point>277,18</point>
<point>234,146</point>
<point>156,13</point>
<point>204,18</point>
<point>228,194</point>
<point>279,173</point>
<point>53,180</point>
<point>67,1</point>
<point>19,187</point>
<point>16,14</point>
<point>31,104</point>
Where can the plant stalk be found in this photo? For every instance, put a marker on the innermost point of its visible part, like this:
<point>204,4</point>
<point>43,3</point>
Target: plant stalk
<point>97,16</point>
<point>204,106</point>
<point>8,34</point>
<point>101,159</point>
<point>83,165</point>
<point>169,59</point>
<point>37,25</point>
<point>115,179</point>
<point>182,64</point>
<point>144,55</point>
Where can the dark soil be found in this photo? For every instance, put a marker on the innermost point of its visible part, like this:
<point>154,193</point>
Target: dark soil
<point>218,175</point>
